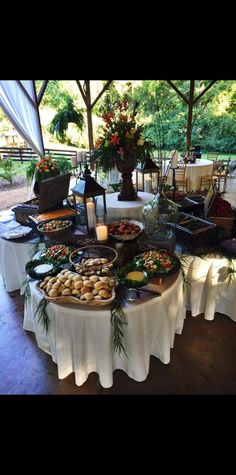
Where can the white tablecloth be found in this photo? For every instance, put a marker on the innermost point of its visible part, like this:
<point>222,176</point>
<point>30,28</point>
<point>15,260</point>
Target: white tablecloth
<point>13,257</point>
<point>124,209</point>
<point>80,338</point>
<point>207,291</point>
<point>194,171</point>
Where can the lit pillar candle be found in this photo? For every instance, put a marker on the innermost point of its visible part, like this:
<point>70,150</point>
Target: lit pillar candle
<point>101,232</point>
<point>91,214</point>
<point>148,184</point>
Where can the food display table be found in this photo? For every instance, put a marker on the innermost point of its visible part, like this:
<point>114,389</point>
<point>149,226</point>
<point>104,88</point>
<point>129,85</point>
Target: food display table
<point>124,209</point>
<point>79,338</point>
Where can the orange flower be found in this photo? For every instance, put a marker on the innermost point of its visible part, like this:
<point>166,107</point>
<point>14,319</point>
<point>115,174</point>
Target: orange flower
<point>114,140</point>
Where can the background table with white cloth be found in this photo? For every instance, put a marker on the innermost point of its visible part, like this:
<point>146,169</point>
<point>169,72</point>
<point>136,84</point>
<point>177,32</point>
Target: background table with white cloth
<point>13,257</point>
<point>124,209</point>
<point>208,290</point>
<point>79,338</point>
<point>194,172</point>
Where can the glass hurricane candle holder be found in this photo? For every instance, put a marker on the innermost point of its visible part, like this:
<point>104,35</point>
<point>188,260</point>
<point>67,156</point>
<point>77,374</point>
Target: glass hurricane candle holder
<point>101,229</point>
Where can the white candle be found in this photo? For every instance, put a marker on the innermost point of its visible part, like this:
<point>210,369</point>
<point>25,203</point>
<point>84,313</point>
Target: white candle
<point>174,159</point>
<point>79,156</point>
<point>74,161</point>
<point>148,185</point>
<point>102,232</point>
<point>91,214</point>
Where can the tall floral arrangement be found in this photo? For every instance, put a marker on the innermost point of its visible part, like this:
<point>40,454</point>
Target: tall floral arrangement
<point>120,137</point>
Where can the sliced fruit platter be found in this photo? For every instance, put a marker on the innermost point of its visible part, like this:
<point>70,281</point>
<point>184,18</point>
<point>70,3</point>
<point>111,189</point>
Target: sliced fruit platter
<point>70,287</point>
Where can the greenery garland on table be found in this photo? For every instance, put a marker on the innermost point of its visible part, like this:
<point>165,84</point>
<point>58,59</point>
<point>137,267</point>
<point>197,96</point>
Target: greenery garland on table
<point>118,321</point>
<point>41,311</point>
<point>26,292</point>
<point>230,270</point>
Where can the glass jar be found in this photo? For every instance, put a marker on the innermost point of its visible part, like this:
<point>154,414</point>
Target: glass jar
<point>160,216</point>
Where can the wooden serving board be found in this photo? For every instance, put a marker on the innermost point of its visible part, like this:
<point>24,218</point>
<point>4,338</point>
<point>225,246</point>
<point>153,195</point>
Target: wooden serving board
<point>70,299</point>
<point>57,214</point>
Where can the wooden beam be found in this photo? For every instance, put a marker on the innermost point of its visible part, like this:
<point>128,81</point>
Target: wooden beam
<point>81,91</point>
<point>41,92</point>
<point>89,113</point>
<point>101,93</point>
<point>190,114</point>
<point>204,91</point>
<point>177,90</point>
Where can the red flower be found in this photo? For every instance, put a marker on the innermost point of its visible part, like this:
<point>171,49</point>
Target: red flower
<point>114,140</point>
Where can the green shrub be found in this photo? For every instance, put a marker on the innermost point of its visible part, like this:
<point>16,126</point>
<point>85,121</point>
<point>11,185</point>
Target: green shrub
<point>7,169</point>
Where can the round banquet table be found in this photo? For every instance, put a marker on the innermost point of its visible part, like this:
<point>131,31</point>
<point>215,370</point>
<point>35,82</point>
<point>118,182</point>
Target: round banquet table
<point>208,291</point>
<point>123,209</point>
<point>194,172</point>
<point>79,338</point>
<point>14,254</point>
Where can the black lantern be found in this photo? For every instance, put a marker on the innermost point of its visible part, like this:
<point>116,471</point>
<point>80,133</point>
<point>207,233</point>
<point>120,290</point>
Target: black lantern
<point>148,168</point>
<point>87,189</point>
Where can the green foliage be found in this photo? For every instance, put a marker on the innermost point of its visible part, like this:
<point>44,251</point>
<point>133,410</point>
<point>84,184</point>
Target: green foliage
<point>118,321</point>
<point>63,164</point>
<point>214,115</point>
<point>7,169</point>
<point>30,169</point>
<point>68,114</point>
<point>54,95</point>
<point>41,313</point>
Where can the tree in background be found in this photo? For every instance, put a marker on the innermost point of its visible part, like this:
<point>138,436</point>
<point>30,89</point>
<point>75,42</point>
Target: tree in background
<point>214,117</point>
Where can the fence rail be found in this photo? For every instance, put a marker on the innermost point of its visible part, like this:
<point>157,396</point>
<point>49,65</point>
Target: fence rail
<point>25,154</point>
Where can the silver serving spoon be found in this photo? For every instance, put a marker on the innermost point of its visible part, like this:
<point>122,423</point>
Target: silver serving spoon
<point>138,290</point>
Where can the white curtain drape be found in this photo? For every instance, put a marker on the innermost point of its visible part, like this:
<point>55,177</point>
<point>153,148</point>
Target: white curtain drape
<point>19,102</point>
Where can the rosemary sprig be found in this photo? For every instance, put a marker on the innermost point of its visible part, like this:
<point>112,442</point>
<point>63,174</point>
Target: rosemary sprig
<point>41,311</point>
<point>34,248</point>
<point>26,292</point>
<point>184,269</point>
<point>118,320</point>
<point>230,273</point>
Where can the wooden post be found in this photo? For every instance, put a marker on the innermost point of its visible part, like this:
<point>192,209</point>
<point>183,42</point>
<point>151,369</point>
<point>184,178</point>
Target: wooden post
<point>190,115</point>
<point>89,114</point>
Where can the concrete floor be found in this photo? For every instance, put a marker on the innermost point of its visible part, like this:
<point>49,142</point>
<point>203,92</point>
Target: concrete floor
<point>203,360</point>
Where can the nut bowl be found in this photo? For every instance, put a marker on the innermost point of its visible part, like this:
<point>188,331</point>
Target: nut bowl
<point>125,230</point>
<point>54,228</point>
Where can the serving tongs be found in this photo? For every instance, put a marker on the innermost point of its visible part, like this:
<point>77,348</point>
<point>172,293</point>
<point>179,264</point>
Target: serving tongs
<point>137,290</point>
